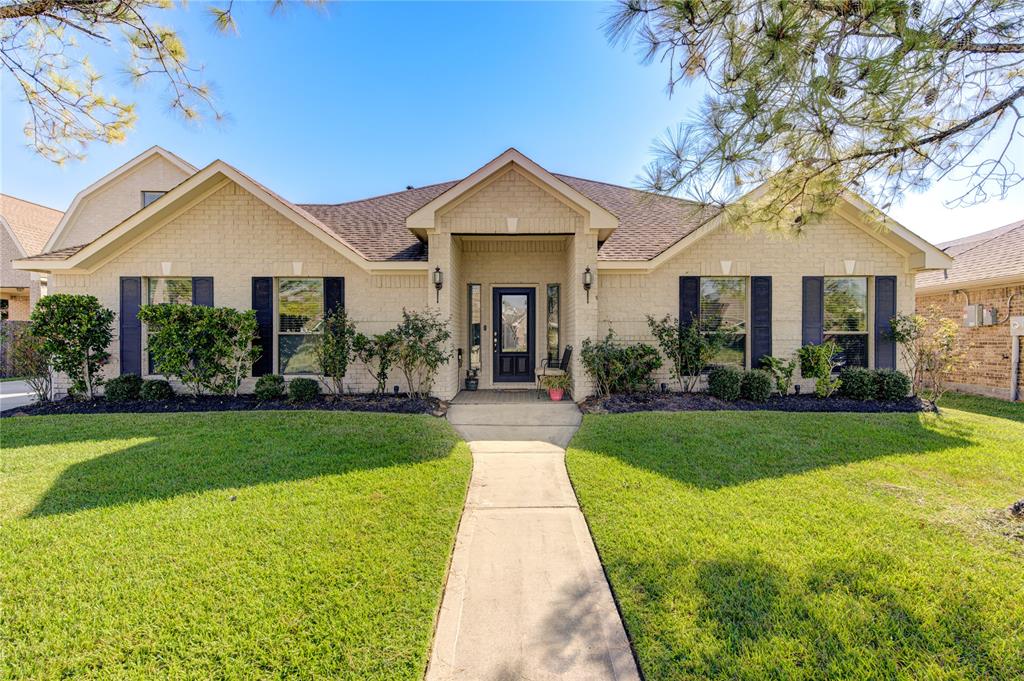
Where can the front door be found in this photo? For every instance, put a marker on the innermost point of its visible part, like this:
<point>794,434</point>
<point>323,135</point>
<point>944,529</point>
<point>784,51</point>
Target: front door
<point>514,315</point>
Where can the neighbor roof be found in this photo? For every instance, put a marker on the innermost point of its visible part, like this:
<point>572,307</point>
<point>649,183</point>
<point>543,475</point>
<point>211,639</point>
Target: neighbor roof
<point>993,255</point>
<point>30,223</point>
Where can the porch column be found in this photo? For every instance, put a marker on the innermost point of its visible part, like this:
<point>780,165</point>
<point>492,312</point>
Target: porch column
<point>584,314</point>
<point>444,255</point>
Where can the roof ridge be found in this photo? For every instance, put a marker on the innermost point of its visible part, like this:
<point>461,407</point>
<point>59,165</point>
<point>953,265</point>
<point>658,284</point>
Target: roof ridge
<point>380,196</point>
<point>632,189</point>
<point>34,203</point>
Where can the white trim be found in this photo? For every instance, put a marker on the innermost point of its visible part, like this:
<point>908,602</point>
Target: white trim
<point>152,152</point>
<point>423,218</point>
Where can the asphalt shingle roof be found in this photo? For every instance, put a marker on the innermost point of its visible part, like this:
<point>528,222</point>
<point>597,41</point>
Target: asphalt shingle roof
<point>995,254</point>
<point>31,223</point>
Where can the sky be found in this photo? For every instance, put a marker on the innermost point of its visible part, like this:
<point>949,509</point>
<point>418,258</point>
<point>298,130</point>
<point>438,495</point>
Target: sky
<point>361,99</point>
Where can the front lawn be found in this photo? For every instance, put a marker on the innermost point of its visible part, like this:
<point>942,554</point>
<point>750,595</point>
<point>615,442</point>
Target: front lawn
<point>245,545</point>
<point>768,545</point>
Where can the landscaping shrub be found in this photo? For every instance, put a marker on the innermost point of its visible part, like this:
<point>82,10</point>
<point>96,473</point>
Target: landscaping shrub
<point>334,349</point>
<point>76,331</point>
<point>207,348</point>
<point>269,387</point>
<point>619,368</point>
<point>423,346</point>
<point>156,389</point>
<point>303,390</point>
<point>725,383</point>
<point>819,362</point>
<point>378,354</point>
<point>30,361</point>
<point>891,384</point>
<point>782,370</point>
<point>757,385</point>
<point>123,388</point>
<point>687,349</point>
<point>858,383</point>
<point>931,347</point>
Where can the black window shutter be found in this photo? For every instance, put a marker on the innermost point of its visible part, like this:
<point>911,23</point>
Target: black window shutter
<point>885,310</point>
<point>814,310</point>
<point>334,294</point>
<point>689,300</point>
<point>760,319</point>
<point>202,291</point>
<point>263,304</point>
<point>131,327</point>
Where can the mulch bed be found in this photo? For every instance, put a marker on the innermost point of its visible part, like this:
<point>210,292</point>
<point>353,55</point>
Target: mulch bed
<point>634,402</point>
<point>395,404</point>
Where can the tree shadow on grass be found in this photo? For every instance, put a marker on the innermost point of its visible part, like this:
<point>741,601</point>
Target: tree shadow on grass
<point>722,449</point>
<point>187,454</point>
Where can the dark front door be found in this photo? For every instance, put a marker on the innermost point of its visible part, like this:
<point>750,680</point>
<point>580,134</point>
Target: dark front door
<point>514,314</point>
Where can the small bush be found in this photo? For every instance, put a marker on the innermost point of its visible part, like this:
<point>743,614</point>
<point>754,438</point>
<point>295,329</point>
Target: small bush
<point>157,389</point>
<point>820,362</point>
<point>619,368</point>
<point>858,383</point>
<point>725,383</point>
<point>782,370</point>
<point>303,390</point>
<point>269,387</point>
<point>757,385</point>
<point>123,388</point>
<point>891,385</point>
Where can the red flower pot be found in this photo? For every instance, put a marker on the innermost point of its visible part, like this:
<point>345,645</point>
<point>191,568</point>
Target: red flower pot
<point>556,394</point>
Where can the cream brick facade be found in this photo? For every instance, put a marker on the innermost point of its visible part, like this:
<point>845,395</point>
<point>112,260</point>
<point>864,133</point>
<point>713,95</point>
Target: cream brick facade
<point>102,209</point>
<point>512,227</point>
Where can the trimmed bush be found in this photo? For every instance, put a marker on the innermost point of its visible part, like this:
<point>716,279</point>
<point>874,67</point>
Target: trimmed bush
<point>269,387</point>
<point>757,385</point>
<point>619,368</point>
<point>76,331</point>
<point>123,388</point>
<point>156,389</point>
<point>858,383</point>
<point>303,390</point>
<point>891,385</point>
<point>725,383</point>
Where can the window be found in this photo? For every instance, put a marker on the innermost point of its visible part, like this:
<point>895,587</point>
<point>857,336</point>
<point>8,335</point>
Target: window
<point>846,317</point>
<point>300,311</point>
<point>554,299</point>
<point>474,326</point>
<point>5,309</point>
<point>723,307</point>
<point>150,197</point>
<point>169,291</point>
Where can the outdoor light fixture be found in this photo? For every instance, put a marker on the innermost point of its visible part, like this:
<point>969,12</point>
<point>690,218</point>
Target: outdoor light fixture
<point>588,281</point>
<point>438,282</point>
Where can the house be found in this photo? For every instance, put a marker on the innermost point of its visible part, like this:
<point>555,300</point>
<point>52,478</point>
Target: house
<point>523,261</point>
<point>26,228</point>
<point>984,288</point>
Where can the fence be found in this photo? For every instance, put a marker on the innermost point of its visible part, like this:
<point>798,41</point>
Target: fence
<point>7,330</point>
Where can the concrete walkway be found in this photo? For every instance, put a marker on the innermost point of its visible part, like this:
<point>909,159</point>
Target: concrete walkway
<point>526,598</point>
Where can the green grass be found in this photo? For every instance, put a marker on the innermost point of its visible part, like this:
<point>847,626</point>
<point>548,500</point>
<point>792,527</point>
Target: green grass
<point>234,545</point>
<point>797,546</point>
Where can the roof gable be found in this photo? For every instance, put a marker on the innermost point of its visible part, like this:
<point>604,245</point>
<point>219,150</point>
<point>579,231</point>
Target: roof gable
<point>29,224</point>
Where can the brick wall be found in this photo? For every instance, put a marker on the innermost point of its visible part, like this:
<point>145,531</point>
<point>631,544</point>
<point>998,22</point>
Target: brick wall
<point>986,370</point>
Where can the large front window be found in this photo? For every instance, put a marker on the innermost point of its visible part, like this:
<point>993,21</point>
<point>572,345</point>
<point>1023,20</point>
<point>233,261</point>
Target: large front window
<point>723,309</point>
<point>846,317</point>
<point>300,311</point>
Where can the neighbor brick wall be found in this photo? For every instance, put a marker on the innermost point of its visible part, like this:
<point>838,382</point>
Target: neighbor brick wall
<point>986,369</point>
<point>233,237</point>
<point>107,206</point>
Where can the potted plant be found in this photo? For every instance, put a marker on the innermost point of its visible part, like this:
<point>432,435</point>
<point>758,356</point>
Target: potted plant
<point>556,386</point>
<point>472,380</point>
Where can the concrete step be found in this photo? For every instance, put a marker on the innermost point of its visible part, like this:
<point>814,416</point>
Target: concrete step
<point>556,435</point>
<point>519,414</point>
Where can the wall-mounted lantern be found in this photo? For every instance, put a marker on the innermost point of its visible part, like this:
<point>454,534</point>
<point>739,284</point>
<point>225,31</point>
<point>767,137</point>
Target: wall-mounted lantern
<point>588,281</point>
<point>438,282</point>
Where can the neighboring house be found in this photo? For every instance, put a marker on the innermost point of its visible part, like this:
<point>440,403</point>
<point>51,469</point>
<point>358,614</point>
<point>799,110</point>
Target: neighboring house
<point>26,228</point>
<point>987,281</point>
<point>524,263</point>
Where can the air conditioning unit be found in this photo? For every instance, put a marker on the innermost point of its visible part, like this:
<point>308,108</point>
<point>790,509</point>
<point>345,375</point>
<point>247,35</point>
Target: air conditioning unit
<point>973,316</point>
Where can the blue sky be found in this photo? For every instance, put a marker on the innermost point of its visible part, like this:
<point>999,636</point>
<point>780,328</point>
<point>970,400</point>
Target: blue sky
<point>366,98</point>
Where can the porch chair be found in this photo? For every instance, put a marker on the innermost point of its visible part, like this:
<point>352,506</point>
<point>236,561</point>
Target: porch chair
<point>554,367</point>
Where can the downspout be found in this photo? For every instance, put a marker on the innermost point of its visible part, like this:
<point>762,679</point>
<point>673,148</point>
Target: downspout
<point>1015,369</point>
